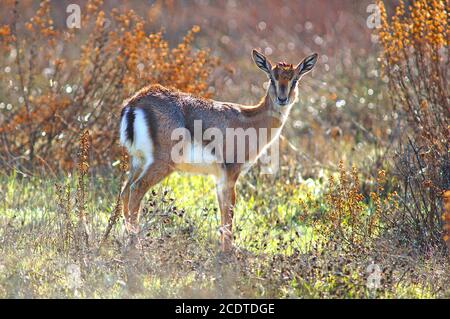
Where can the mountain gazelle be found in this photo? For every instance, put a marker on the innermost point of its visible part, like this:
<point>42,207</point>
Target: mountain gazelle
<point>150,118</point>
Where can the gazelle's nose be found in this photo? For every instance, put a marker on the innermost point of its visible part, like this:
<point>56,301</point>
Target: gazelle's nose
<point>282,100</point>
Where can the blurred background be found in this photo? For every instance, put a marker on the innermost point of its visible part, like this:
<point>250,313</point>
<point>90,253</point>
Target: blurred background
<point>343,99</point>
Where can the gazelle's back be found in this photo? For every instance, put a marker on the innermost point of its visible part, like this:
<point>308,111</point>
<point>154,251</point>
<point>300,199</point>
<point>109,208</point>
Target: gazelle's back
<point>165,110</point>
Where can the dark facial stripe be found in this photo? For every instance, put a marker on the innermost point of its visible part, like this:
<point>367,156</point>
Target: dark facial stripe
<point>272,83</point>
<point>294,83</point>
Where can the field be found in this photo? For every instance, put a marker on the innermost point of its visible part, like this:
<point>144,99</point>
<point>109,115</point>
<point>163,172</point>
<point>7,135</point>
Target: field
<point>360,205</point>
<point>278,256</point>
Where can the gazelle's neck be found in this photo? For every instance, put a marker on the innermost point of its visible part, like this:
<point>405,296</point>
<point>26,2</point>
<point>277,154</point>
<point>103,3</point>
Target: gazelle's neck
<point>267,114</point>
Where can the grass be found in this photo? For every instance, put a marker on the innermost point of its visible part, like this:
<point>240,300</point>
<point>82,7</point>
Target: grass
<point>279,255</point>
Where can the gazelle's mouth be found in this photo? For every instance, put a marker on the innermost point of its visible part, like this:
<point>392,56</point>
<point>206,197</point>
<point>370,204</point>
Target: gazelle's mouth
<point>282,101</point>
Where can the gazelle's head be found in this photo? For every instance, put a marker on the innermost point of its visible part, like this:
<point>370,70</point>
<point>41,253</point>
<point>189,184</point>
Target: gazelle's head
<point>284,77</point>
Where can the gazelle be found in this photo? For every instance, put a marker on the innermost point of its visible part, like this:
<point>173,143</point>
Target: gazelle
<point>150,117</point>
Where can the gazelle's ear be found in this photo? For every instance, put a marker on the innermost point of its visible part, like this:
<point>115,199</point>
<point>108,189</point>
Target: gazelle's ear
<point>261,61</point>
<point>306,65</point>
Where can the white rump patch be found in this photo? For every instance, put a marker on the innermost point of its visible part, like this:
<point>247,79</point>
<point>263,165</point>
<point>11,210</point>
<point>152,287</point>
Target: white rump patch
<point>141,150</point>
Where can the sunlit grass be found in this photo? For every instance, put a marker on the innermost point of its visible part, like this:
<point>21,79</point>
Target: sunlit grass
<point>181,256</point>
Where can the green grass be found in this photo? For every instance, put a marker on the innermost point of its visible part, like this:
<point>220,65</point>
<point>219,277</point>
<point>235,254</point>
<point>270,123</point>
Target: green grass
<point>277,255</point>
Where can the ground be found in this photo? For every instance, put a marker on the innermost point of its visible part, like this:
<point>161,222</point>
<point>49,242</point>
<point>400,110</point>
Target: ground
<point>277,255</point>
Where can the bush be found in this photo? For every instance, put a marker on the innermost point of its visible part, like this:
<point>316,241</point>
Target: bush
<point>63,81</point>
<point>354,220</point>
<point>415,57</point>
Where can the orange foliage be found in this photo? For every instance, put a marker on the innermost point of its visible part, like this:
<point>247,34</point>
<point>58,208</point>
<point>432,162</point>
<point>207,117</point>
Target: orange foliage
<point>446,218</point>
<point>346,207</point>
<point>415,55</point>
<point>71,80</point>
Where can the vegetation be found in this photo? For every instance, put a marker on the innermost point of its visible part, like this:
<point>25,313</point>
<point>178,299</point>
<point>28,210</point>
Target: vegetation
<point>66,79</point>
<point>358,209</point>
<point>284,250</point>
<point>416,58</point>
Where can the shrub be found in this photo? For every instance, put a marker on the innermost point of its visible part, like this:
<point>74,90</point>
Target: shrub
<point>63,81</point>
<point>415,57</point>
<point>347,216</point>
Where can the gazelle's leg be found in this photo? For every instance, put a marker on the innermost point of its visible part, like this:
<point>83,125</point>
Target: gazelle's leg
<point>125,194</point>
<point>154,174</point>
<point>226,195</point>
